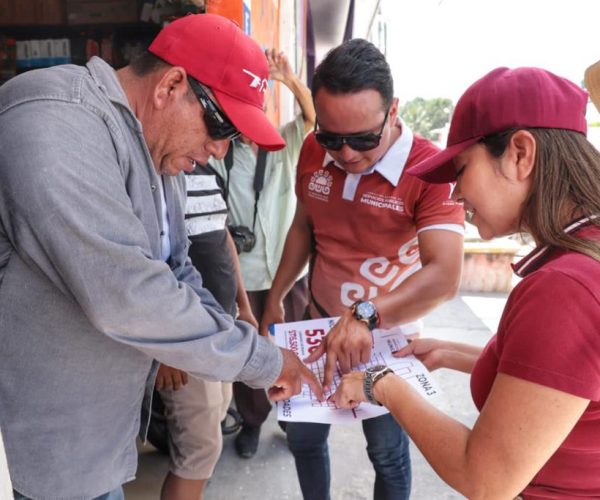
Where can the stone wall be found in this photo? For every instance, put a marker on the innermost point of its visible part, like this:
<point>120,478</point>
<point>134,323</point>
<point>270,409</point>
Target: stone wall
<point>487,267</point>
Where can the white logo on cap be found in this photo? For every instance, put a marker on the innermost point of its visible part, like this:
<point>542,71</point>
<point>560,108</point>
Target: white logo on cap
<point>257,82</point>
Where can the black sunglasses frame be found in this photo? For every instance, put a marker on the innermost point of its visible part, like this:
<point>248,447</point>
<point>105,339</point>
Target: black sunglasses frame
<point>218,126</point>
<point>358,142</point>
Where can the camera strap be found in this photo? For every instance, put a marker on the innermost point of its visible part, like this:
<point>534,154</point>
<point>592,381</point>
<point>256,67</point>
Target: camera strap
<point>259,176</point>
<point>228,160</point>
<point>259,180</point>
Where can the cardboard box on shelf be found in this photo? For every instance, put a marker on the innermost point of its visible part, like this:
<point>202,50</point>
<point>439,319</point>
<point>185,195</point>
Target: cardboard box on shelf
<point>61,51</point>
<point>102,11</point>
<point>8,58</point>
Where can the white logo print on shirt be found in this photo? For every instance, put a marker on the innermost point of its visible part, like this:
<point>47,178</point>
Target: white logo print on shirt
<point>320,185</point>
<point>382,274</point>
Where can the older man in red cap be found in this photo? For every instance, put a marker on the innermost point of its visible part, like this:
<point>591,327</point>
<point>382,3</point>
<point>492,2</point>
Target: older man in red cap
<point>94,276</point>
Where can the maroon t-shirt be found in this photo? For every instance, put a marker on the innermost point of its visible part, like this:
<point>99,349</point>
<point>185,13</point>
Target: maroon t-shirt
<point>549,334</point>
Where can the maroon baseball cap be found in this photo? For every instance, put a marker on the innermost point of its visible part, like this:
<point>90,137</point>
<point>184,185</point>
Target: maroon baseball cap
<point>214,51</point>
<point>501,100</point>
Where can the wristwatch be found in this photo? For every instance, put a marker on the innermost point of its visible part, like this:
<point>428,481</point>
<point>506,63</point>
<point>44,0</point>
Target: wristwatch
<point>365,311</point>
<point>372,375</point>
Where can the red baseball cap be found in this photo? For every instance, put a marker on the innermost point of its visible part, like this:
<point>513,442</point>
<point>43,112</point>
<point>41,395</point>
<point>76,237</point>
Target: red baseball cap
<point>214,51</point>
<point>504,99</point>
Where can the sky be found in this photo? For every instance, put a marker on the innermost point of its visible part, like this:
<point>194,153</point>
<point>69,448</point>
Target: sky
<point>437,48</point>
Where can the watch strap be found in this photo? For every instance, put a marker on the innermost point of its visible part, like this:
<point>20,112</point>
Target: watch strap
<point>372,376</point>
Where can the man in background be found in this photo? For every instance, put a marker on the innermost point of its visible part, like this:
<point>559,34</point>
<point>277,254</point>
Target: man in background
<point>195,407</point>
<point>262,202</point>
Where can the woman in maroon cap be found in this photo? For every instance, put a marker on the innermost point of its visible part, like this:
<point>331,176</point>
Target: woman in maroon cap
<point>518,153</point>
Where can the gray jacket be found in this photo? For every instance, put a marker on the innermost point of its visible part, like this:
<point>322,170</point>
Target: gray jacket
<point>85,301</point>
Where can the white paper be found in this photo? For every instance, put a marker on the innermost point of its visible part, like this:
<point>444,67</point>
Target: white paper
<point>302,337</point>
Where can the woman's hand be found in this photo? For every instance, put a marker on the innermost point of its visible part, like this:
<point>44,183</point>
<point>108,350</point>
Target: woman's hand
<point>429,351</point>
<point>279,66</point>
<point>436,354</point>
<point>350,391</point>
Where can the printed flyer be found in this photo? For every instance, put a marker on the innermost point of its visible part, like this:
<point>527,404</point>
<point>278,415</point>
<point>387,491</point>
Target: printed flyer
<point>303,337</point>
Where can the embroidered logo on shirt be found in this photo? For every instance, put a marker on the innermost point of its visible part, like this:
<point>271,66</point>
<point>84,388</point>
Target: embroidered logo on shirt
<point>320,185</point>
<point>382,201</point>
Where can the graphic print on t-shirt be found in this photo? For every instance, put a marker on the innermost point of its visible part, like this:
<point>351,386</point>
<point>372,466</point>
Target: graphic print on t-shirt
<point>319,186</point>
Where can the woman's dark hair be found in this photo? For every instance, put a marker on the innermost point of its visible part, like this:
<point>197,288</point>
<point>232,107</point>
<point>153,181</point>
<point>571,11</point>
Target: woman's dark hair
<point>353,66</point>
<point>566,185</point>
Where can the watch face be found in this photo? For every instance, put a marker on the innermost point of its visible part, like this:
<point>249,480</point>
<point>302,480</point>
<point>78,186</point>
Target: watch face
<point>366,310</point>
<point>376,368</point>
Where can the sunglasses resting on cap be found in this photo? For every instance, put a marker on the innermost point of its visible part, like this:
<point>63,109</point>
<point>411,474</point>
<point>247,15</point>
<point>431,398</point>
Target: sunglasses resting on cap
<point>362,141</point>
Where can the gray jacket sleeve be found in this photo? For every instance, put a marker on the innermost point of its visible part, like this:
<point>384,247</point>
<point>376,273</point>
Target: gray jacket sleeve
<point>68,207</point>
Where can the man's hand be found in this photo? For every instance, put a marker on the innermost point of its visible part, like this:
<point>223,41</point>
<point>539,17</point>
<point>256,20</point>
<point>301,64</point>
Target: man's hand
<point>348,343</point>
<point>245,314</point>
<point>293,374</point>
<point>279,66</point>
<point>170,378</point>
<point>273,313</point>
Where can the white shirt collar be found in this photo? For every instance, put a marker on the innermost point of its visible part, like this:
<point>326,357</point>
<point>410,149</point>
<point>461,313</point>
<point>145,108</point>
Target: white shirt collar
<point>392,163</point>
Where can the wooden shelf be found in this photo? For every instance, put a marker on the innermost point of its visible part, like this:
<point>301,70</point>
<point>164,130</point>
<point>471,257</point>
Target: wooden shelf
<point>23,32</point>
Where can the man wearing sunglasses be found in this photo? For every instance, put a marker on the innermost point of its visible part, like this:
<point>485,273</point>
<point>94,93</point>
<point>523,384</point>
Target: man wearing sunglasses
<point>95,281</point>
<point>384,248</point>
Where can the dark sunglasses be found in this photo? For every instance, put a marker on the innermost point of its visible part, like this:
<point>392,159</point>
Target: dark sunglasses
<point>217,124</point>
<point>358,142</point>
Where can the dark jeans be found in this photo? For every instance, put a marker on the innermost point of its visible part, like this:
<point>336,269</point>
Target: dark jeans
<point>253,404</point>
<point>387,447</point>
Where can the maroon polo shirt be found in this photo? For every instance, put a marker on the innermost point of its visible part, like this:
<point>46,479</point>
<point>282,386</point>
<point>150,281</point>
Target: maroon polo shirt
<point>549,334</point>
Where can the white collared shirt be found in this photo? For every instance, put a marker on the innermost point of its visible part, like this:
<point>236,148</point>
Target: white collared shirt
<point>391,166</point>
